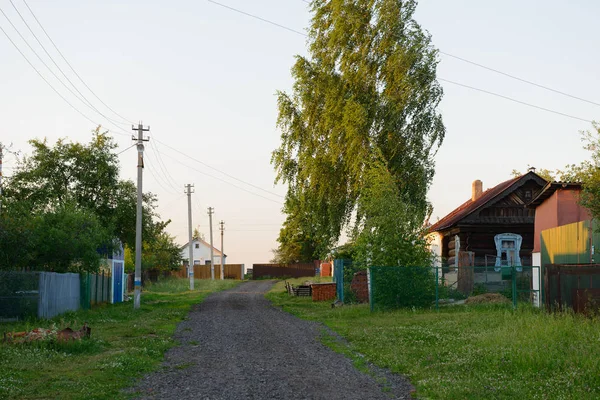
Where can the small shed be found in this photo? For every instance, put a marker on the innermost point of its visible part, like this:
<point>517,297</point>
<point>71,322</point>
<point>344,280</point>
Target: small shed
<point>116,263</point>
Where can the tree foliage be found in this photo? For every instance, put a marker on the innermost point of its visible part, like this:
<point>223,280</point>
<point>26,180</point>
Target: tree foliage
<point>368,92</point>
<point>588,172</point>
<point>65,203</point>
<point>571,173</point>
<point>85,175</point>
<point>65,238</point>
<point>392,233</point>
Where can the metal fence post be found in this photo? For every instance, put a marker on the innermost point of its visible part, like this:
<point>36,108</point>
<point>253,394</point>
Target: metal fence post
<point>514,286</point>
<point>370,286</point>
<point>437,294</point>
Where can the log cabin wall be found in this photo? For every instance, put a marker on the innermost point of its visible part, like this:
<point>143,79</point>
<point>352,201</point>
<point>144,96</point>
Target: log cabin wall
<point>498,210</point>
<point>506,215</point>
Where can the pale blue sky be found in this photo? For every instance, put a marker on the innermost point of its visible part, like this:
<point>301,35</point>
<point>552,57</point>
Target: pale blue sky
<point>204,79</point>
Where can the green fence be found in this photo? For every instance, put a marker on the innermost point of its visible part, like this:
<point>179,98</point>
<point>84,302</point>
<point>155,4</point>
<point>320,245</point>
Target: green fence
<point>344,275</point>
<point>397,287</point>
<point>95,289</point>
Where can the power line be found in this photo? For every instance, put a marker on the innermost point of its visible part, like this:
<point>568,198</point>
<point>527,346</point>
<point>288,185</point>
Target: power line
<point>52,72</point>
<point>515,100</point>
<point>157,180</point>
<point>85,100</point>
<point>520,79</point>
<point>456,83</point>
<point>124,150</point>
<point>49,84</point>
<point>218,170</point>
<point>160,178</point>
<point>71,67</point>
<point>169,178</point>
<point>222,180</point>
<point>512,76</point>
<point>257,17</point>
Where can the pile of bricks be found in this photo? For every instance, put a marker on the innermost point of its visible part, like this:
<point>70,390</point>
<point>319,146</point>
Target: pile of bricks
<point>360,286</point>
<point>323,291</point>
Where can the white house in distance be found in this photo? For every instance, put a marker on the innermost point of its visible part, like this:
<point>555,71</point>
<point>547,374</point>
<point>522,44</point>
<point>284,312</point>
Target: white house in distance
<point>201,252</point>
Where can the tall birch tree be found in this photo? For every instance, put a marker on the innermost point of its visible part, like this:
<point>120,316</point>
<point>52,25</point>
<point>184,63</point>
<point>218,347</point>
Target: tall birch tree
<point>366,93</point>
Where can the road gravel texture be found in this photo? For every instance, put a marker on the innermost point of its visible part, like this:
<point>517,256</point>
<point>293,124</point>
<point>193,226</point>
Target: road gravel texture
<point>236,345</point>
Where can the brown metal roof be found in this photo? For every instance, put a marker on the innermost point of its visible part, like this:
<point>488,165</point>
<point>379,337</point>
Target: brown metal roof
<point>470,206</point>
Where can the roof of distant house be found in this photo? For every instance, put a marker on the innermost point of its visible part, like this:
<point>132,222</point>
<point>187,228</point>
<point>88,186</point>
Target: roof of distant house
<point>549,190</point>
<point>216,251</point>
<point>470,206</point>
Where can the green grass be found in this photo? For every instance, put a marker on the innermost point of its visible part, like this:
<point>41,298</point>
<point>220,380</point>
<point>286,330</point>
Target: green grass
<point>302,281</point>
<point>124,344</point>
<point>469,352</point>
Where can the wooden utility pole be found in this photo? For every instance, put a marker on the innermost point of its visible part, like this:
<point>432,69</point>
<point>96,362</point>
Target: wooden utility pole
<point>189,192</point>
<point>212,249</point>
<point>222,229</point>
<point>138,217</point>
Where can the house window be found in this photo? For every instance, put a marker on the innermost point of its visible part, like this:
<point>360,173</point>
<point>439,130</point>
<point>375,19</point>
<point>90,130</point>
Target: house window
<point>528,195</point>
<point>196,262</point>
<point>197,245</point>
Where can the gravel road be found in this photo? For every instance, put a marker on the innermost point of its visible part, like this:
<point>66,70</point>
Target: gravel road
<point>235,345</point>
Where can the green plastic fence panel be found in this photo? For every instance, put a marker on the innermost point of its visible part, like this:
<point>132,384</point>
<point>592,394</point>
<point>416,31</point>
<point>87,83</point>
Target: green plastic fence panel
<point>85,290</point>
<point>396,287</point>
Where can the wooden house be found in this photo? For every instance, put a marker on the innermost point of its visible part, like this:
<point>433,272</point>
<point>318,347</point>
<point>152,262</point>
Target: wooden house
<point>498,210</point>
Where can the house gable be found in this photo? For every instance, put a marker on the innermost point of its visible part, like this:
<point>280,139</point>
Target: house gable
<point>509,207</point>
<point>503,204</point>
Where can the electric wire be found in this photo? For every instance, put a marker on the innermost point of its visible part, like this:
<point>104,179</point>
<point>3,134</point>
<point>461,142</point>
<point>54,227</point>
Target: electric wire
<point>51,71</point>
<point>71,67</point>
<point>163,168</point>
<point>218,170</point>
<point>446,80</point>
<point>220,179</point>
<point>159,177</point>
<point>512,76</point>
<point>257,17</point>
<point>515,100</point>
<point>156,178</point>
<point>520,79</point>
<point>51,86</point>
<point>83,98</point>
<point>127,148</point>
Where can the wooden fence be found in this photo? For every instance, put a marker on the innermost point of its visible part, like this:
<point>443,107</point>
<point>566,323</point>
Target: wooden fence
<point>283,270</point>
<point>231,271</point>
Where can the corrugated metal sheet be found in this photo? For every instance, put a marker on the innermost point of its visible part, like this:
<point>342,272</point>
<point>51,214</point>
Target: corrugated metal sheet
<point>569,244</point>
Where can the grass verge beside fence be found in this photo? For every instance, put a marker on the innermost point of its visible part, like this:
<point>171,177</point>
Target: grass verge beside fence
<point>469,352</point>
<point>124,344</point>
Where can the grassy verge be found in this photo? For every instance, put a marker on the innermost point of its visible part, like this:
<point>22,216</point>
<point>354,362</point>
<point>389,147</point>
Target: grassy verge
<point>470,352</point>
<point>124,344</point>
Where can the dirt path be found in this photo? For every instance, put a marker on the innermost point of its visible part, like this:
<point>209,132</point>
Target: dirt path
<point>235,345</point>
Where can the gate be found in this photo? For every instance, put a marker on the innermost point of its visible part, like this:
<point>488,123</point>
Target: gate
<point>338,278</point>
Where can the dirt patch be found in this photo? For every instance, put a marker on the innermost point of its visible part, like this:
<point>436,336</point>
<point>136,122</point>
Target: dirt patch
<point>487,298</point>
